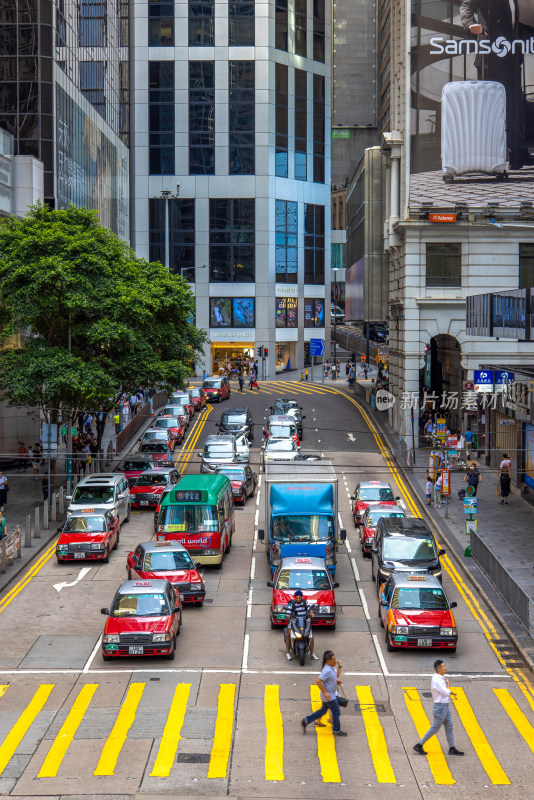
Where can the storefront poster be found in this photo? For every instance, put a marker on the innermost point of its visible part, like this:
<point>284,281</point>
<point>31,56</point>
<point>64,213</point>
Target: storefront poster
<point>220,312</point>
<point>243,312</point>
<point>314,313</point>
<point>529,455</point>
<point>286,312</point>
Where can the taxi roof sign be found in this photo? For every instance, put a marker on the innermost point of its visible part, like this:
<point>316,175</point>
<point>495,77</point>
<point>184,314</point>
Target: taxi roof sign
<point>416,578</point>
<point>87,510</point>
<point>164,543</point>
<point>303,561</point>
<point>142,583</point>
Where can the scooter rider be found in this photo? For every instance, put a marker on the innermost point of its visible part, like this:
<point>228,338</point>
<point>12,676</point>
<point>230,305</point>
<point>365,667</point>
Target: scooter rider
<point>300,608</point>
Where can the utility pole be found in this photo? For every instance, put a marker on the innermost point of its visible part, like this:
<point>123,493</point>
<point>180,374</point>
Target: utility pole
<point>69,424</point>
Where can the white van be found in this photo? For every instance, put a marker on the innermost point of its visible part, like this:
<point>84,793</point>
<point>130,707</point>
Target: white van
<point>105,491</point>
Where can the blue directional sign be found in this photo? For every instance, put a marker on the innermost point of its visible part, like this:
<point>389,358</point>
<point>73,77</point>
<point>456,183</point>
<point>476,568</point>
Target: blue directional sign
<point>316,347</point>
<point>483,380</point>
<point>502,378</point>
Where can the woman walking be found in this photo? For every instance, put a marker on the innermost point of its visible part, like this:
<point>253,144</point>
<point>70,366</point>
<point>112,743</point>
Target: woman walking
<point>505,481</point>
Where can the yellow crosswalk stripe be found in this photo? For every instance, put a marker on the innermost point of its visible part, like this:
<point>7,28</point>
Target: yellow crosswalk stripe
<point>63,740</point>
<point>3,688</point>
<point>172,732</point>
<point>115,741</point>
<point>516,715</point>
<point>326,747</point>
<point>481,745</point>
<point>375,736</point>
<point>274,744</point>
<point>224,726</point>
<point>436,760</point>
<point>23,724</point>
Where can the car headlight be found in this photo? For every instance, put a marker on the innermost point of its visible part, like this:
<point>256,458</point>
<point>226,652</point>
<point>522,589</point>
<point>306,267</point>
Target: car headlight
<point>400,630</point>
<point>298,635</point>
<point>448,632</point>
<point>161,637</point>
<point>69,514</point>
<point>111,638</point>
<point>98,546</point>
<point>211,552</point>
<point>326,609</point>
<point>62,547</point>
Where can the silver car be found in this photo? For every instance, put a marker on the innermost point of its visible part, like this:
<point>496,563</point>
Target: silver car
<point>101,492</point>
<point>278,448</point>
<point>218,451</point>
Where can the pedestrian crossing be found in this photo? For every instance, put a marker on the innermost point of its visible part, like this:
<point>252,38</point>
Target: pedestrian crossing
<point>279,727</point>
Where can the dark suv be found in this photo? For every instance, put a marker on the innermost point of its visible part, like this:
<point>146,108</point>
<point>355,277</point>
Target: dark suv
<point>237,420</point>
<point>403,544</point>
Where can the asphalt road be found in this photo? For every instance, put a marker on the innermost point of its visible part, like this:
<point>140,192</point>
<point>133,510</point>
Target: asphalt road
<point>223,719</point>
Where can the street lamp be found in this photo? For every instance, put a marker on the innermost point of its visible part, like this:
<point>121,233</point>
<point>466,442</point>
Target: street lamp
<point>167,195</point>
<point>202,266</point>
<point>334,270</point>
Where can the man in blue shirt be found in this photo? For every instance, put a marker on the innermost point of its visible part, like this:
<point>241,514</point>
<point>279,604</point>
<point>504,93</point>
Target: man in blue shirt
<point>328,682</point>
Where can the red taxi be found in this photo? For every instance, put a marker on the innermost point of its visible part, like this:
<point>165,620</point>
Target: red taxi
<point>169,561</point>
<point>216,388</point>
<point>144,620</point>
<point>199,398</point>
<point>312,577</point>
<point>369,520</point>
<point>415,612</point>
<point>184,399</point>
<point>88,535</point>
<point>160,450</point>
<point>174,425</point>
<point>371,493</point>
<point>133,466</point>
<point>178,411</point>
<point>150,485</point>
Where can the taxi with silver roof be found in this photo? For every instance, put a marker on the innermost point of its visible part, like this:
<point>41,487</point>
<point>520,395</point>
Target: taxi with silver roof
<point>416,613</point>
<point>89,534</point>
<point>144,619</point>
<point>168,561</point>
<point>370,518</point>
<point>371,493</point>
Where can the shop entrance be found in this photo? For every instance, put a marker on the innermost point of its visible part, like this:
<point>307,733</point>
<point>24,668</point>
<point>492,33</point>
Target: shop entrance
<point>237,355</point>
<point>446,375</point>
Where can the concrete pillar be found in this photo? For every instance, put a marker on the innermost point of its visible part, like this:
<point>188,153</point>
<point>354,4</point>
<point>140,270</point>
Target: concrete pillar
<point>37,525</point>
<point>45,516</point>
<point>28,532</point>
<point>61,504</point>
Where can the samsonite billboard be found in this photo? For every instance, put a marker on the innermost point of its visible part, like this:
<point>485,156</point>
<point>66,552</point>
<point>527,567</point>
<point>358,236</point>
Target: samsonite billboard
<point>472,100</point>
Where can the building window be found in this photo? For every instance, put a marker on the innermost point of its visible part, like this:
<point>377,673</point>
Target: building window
<point>314,313</point>
<point>181,235</point>
<point>280,13</point>
<point>318,30</point>
<point>301,22</point>
<point>92,84</point>
<point>286,241</point>
<point>61,24</point>
<point>286,312</point>
<point>526,266</point>
<point>160,23</point>
<point>443,265</point>
<point>92,23</point>
<point>281,120</point>
<point>301,124</point>
<point>201,118</point>
<point>161,117</point>
<point>241,23</point>
<point>241,118</point>
<point>318,129</point>
<point>314,244</point>
<point>232,240</point>
<point>232,312</point>
<point>201,23</point>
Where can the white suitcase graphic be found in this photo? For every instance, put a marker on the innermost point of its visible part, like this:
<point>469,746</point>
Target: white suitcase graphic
<point>473,129</point>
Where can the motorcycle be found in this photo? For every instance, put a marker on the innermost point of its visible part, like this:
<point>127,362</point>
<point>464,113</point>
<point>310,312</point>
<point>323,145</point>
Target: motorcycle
<point>300,635</point>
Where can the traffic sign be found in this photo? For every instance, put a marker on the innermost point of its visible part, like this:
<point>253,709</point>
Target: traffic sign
<point>469,386</point>
<point>317,347</point>
<point>469,490</point>
<point>502,379</point>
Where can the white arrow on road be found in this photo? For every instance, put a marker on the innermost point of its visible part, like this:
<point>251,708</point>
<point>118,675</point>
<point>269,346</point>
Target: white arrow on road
<point>351,437</point>
<point>83,572</point>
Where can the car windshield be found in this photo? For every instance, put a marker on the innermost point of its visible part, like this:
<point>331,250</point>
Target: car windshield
<point>311,579</point>
<point>152,480</point>
<point>282,430</point>
<point>233,474</point>
<point>164,561</point>
<point>134,465</point>
<point>211,385</point>
<point>140,605</point>
<point>174,411</point>
<point>374,516</point>
<point>196,393</point>
<point>409,549</point>
<point>295,413</point>
<point>281,444</point>
<point>85,525</point>
<point>92,494</point>
<point>218,450</point>
<point>185,517</point>
<point>167,423</point>
<point>183,398</point>
<point>375,493</point>
<point>154,435</point>
<point>314,528</point>
<point>154,447</point>
<point>419,598</point>
<point>234,418</point>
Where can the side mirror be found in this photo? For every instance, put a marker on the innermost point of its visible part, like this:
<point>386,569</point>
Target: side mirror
<point>271,584</point>
<point>68,497</point>
<point>352,497</point>
<point>336,586</point>
<point>304,416</point>
<point>374,549</point>
<point>384,603</point>
<point>105,611</point>
<point>261,535</point>
<point>176,610</point>
<point>454,604</point>
<point>397,498</point>
<point>442,552</point>
<point>196,564</point>
<point>59,530</point>
<point>217,425</point>
<point>342,535</point>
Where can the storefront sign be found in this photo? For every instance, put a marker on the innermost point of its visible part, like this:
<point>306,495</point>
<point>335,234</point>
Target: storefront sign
<point>502,378</point>
<point>340,133</point>
<point>515,395</point>
<point>232,335</point>
<point>286,291</point>
<point>483,380</point>
<point>442,217</point>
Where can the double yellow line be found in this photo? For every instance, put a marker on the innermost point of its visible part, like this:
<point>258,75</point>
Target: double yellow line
<point>24,581</point>
<point>188,448</point>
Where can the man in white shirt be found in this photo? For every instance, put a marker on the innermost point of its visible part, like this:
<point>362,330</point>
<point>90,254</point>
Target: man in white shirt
<point>441,694</point>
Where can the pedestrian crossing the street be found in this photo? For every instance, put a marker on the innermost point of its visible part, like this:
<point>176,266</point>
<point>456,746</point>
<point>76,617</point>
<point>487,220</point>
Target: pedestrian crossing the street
<point>278,728</point>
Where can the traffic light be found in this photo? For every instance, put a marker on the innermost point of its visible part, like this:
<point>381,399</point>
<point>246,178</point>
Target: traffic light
<point>265,352</point>
<point>260,351</point>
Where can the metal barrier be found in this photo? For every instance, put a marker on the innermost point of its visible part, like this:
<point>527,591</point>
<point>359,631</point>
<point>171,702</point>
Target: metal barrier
<point>139,420</point>
<point>10,549</point>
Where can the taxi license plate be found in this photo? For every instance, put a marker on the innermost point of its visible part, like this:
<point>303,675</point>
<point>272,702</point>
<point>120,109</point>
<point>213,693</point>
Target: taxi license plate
<point>143,502</point>
<point>79,555</point>
<point>424,643</point>
<point>138,650</point>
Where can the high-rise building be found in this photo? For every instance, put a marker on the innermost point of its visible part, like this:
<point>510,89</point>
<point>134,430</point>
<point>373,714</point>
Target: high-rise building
<point>231,167</point>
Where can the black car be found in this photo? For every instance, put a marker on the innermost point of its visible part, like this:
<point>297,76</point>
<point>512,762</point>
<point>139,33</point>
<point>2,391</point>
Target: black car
<point>237,420</point>
<point>404,544</point>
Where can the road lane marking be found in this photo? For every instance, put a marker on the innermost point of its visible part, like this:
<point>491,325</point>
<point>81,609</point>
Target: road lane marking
<point>326,746</point>
<point>115,741</point>
<point>355,569</point>
<point>274,741</point>
<point>95,650</point>
<point>249,602</point>
<point>481,745</point>
<point>171,733</point>
<point>63,740</point>
<point>244,661</point>
<point>364,604</point>
<point>516,715</point>
<point>3,689</point>
<point>31,573</point>
<point>252,568</point>
<point>375,736</point>
<point>381,658</point>
<point>23,724</point>
<point>436,760</point>
<point>224,727</point>
<point>83,572</point>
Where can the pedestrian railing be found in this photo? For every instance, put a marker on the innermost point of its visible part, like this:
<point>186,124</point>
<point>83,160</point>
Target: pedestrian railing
<point>10,549</point>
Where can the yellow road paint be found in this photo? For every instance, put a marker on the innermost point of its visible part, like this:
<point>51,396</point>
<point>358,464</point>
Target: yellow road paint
<point>115,741</point>
<point>185,455</point>
<point>481,745</point>
<point>516,715</point>
<point>23,724</point>
<point>326,747</point>
<point>3,689</point>
<point>375,736</point>
<point>436,760</point>
<point>171,733</point>
<point>224,726</point>
<point>274,744</point>
<point>63,740</point>
<point>26,578</point>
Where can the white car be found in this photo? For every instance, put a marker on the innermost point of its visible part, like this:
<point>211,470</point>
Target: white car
<point>280,448</point>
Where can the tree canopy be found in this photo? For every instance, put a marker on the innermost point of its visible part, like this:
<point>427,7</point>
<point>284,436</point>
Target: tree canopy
<point>87,317</point>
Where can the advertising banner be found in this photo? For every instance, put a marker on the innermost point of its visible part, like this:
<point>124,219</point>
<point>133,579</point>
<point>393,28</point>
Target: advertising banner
<point>472,101</point>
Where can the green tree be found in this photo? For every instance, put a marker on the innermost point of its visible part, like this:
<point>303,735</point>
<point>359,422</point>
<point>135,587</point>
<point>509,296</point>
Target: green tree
<point>83,319</point>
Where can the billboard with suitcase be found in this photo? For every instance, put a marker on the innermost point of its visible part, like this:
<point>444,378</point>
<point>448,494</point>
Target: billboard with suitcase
<point>472,101</point>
